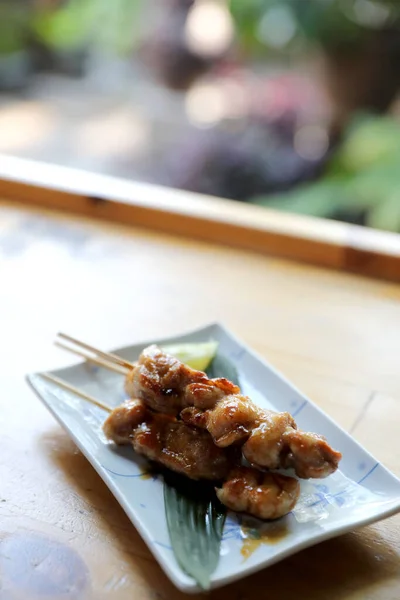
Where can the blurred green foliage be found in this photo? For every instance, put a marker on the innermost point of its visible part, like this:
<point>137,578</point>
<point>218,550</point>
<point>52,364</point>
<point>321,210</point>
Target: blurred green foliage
<point>363,177</point>
<point>331,23</point>
<point>14,24</point>
<point>66,27</point>
<point>109,25</point>
<point>70,25</point>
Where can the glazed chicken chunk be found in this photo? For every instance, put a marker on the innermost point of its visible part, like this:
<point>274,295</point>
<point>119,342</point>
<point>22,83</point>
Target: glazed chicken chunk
<point>169,442</point>
<point>265,495</point>
<point>269,440</point>
<point>167,385</point>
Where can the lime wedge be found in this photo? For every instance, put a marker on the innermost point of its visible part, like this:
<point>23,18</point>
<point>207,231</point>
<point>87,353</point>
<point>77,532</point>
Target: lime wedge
<point>198,356</point>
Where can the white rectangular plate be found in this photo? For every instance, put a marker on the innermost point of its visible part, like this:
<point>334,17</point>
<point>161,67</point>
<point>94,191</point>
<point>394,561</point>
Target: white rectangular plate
<point>363,490</point>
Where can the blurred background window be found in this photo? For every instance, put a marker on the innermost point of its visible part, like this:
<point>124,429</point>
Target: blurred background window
<point>291,104</point>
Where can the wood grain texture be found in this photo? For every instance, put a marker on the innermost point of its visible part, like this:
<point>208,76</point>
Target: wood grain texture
<point>336,336</point>
<point>316,241</point>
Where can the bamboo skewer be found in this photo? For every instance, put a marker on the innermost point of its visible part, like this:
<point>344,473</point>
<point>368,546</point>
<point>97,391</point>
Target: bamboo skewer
<point>95,360</point>
<point>114,358</point>
<point>75,390</point>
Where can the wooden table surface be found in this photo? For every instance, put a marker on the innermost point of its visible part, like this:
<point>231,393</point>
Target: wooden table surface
<point>335,335</point>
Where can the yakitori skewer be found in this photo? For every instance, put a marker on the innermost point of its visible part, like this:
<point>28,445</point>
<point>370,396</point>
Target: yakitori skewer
<point>191,452</point>
<point>268,439</point>
<point>109,356</point>
<point>74,390</point>
<point>96,360</point>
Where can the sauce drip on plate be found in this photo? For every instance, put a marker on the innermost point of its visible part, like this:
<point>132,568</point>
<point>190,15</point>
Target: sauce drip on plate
<point>254,534</point>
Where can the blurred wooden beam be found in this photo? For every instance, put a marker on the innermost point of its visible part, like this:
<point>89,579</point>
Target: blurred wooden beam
<point>308,239</point>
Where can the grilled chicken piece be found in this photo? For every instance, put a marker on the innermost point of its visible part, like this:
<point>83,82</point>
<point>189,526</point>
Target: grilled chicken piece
<point>171,443</point>
<point>167,385</point>
<point>124,420</point>
<point>263,495</point>
<point>269,440</point>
